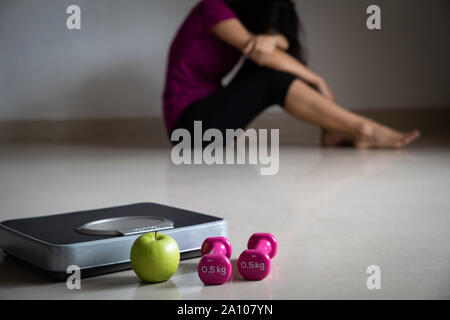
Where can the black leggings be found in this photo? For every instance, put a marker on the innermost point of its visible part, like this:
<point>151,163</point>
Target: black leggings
<point>252,90</point>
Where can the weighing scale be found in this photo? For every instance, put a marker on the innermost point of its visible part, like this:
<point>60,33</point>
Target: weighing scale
<point>99,241</point>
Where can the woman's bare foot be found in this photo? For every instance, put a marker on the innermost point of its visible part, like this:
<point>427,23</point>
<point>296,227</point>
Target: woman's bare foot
<point>369,135</point>
<point>373,135</point>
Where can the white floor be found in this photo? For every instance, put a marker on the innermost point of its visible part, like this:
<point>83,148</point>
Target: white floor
<point>334,212</point>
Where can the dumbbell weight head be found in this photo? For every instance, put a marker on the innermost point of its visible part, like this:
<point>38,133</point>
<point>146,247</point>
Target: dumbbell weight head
<point>215,266</point>
<point>254,263</point>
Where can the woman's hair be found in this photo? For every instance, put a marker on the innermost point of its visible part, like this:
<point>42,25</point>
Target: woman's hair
<point>264,16</point>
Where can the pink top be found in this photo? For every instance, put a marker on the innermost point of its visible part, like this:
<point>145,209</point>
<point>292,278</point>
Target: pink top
<point>198,60</point>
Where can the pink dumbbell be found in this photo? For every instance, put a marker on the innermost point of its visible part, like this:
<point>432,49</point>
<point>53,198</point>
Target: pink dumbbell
<point>215,265</point>
<point>254,263</point>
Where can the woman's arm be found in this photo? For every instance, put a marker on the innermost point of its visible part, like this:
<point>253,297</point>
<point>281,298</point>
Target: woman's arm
<point>234,33</point>
<point>282,61</point>
<point>265,44</point>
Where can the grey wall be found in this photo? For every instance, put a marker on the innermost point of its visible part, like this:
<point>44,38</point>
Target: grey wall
<point>115,65</point>
<point>404,64</point>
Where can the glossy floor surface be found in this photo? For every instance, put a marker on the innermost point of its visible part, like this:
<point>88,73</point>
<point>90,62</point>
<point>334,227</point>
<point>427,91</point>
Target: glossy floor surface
<point>335,212</point>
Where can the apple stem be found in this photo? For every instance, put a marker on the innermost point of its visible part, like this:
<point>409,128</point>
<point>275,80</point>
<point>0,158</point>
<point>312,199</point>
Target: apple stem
<point>156,235</point>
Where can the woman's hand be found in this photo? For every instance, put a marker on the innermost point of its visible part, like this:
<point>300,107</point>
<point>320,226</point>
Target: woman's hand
<point>323,88</point>
<point>269,51</point>
<point>261,47</point>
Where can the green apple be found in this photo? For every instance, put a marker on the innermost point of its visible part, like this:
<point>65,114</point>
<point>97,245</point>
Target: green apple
<point>155,260</point>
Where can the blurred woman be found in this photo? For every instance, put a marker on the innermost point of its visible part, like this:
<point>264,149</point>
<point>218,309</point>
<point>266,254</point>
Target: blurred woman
<point>211,41</point>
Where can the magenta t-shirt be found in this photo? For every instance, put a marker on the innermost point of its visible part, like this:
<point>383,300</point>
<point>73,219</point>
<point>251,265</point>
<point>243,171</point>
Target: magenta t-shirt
<point>198,60</point>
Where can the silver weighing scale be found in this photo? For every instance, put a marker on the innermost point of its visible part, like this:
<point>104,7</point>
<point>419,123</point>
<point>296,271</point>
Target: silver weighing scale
<point>99,241</point>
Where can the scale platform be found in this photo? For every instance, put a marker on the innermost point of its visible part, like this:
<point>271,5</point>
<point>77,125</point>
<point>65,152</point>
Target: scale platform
<point>99,241</point>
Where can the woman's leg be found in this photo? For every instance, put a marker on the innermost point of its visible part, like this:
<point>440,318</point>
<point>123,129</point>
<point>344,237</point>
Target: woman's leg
<point>307,104</point>
<point>253,90</point>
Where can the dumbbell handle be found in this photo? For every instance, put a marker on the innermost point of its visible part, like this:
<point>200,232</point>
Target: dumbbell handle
<point>217,248</point>
<point>263,246</point>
